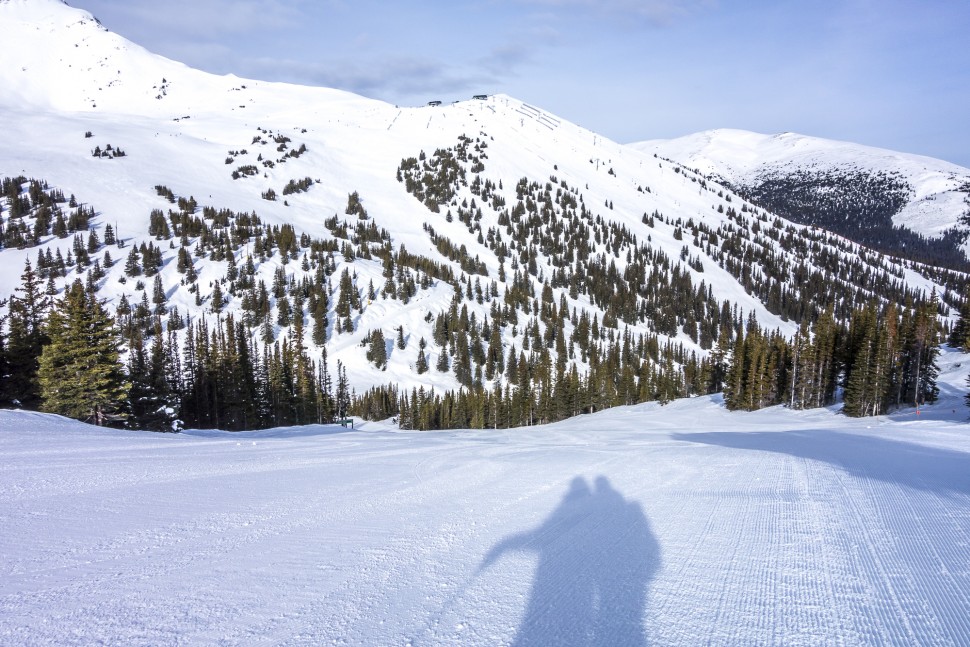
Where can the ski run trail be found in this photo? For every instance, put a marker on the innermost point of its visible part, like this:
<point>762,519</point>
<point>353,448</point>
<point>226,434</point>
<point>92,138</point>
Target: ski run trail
<point>677,525</point>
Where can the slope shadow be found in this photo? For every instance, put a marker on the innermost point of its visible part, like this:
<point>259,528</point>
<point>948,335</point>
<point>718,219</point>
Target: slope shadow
<point>944,471</point>
<point>596,557</point>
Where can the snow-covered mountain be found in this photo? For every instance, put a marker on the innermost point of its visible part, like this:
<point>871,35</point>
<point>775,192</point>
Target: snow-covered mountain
<point>805,178</point>
<point>487,205</point>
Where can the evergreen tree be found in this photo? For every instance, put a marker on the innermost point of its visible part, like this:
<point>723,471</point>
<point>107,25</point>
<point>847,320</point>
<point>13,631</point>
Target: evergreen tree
<point>443,363</point>
<point>463,362</point>
<point>284,312</point>
<point>921,370</point>
<point>377,349</point>
<point>80,374</point>
<point>343,391</point>
<point>718,366</point>
<point>158,296</point>
<point>421,364</point>
<point>132,267</point>
<point>860,397</point>
<point>326,406</point>
<point>734,376</point>
<point>826,368</point>
<point>966,398</point>
<point>960,334</point>
<point>25,341</point>
<point>803,368</point>
<point>347,299</point>
<point>153,399</point>
<point>218,300</point>
<point>318,314</point>
<point>4,357</point>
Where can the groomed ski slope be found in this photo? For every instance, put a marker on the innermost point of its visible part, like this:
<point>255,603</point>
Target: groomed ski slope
<point>646,525</point>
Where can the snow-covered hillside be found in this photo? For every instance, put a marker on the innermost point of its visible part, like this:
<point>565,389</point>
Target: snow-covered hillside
<point>936,193</point>
<point>492,207</point>
<point>179,127</point>
<point>679,525</point>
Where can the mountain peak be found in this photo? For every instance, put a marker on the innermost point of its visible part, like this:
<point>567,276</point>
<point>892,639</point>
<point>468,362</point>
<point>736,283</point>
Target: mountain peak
<point>53,12</point>
<point>61,57</point>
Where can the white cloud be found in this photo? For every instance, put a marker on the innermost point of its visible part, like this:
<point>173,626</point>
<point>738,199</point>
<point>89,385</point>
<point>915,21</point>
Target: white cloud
<point>209,17</point>
<point>653,12</point>
<point>391,78</point>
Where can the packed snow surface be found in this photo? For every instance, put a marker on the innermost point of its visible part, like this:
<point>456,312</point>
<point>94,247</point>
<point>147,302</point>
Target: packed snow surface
<point>675,525</point>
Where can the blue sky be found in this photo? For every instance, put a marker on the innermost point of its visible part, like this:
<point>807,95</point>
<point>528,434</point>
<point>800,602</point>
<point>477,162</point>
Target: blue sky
<point>889,73</point>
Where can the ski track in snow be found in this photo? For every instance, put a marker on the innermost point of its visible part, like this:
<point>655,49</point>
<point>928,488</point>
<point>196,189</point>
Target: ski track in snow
<point>775,528</point>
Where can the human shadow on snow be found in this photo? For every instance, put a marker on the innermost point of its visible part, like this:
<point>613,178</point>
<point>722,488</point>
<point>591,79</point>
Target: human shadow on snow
<point>944,471</point>
<point>596,557</point>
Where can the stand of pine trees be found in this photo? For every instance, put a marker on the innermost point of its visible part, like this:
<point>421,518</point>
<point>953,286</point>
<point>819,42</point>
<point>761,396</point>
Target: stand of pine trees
<point>541,391</point>
<point>79,373</point>
<point>64,357</point>
<point>227,382</point>
<point>883,358</point>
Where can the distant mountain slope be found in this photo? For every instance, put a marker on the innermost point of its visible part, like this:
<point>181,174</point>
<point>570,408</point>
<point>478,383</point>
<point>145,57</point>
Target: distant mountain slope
<point>895,202</point>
